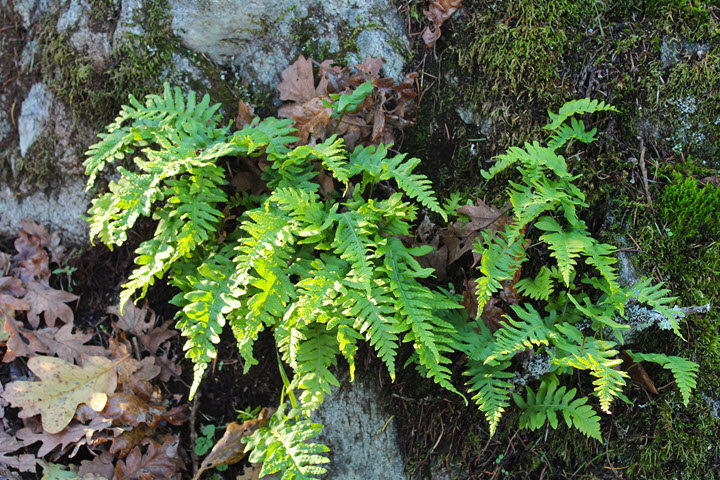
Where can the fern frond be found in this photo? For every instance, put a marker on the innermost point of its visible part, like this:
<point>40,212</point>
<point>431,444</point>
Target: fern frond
<point>574,131</point>
<point>154,258</point>
<point>517,335</point>
<point>574,107</point>
<point>493,391</point>
<point>566,245</point>
<point>214,295</point>
<point>539,288</point>
<point>354,242</point>
<point>416,186</point>
<point>542,406</point>
<point>505,160</point>
<point>600,257</point>
<point>334,157</point>
<point>315,356</point>
<point>500,260</point>
<point>656,297</point>
<point>282,446</point>
<point>684,371</point>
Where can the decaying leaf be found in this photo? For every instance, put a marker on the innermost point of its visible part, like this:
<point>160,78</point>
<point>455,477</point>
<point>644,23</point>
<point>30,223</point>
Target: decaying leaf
<point>133,319</point>
<point>49,302</point>
<point>461,235</point>
<point>157,462</point>
<point>101,465</point>
<point>440,10</point>
<point>21,343</point>
<point>637,373</point>
<point>72,437</point>
<point>67,345</point>
<point>22,462</point>
<point>62,387</point>
<point>230,448</point>
<point>245,115</point>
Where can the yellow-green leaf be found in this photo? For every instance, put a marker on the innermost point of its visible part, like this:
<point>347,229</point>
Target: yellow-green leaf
<point>62,387</point>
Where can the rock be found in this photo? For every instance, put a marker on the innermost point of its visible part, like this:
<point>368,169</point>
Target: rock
<point>252,36</point>
<point>75,21</point>
<point>62,209</point>
<point>34,115</point>
<point>130,21</point>
<point>31,11</point>
<point>361,436</point>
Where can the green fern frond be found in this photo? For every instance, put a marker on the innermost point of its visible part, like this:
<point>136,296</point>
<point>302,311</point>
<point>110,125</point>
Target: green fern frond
<point>574,131</point>
<point>333,156</point>
<point>517,335</point>
<point>500,260</point>
<point>283,446</point>
<point>493,391</point>
<point>542,406</point>
<point>415,186</point>
<point>315,356</point>
<point>354,242</point>
<point>600,257</point>
<point>656,297</point>
<point>566,245</point>
<point>539,288</point>
<point>684,371</point>
<point>574,107</point>
<point>505,160</point>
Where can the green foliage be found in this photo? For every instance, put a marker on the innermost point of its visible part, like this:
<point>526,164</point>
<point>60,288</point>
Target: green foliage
<point>282,446</point>
<point>321,271</point>
<point>577,318</point>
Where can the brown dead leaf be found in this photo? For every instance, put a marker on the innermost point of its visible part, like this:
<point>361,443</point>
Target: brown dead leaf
<point>245,116</point>
<point>101,465</point>
<point>49,241</point>
<point>4,265</point>
<point>470,301</point>
<point>157,462</point>
<point>21,342</point>
<point>440,10</point>
<point>461,235</point>
<point>62,387</point>
<point>32,260</point>
<point>230,448</point>
<point>67,345</point>
<point>72,437</point>
<point>637,372</point>
<point>22,462</point>
<point>297,83</point>
<point>492,315</point>
<point>50,302</point>
<point>133,320</point>
<point>12,286</point>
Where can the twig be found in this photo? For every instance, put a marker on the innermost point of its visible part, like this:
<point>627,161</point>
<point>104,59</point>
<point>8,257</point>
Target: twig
<point>643,169</point>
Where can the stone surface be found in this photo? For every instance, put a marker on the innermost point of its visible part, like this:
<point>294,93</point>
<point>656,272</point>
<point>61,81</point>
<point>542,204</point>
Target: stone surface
<point>34,115</point>
<point>75,21</point>
<point>253,35</point>
<point>61,209</point>
<point>31,11</point>
<point>361,436</point>
<point>130,21</point>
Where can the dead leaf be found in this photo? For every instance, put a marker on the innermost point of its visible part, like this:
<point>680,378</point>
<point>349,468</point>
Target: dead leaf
<point>101,465</point>
<point>470,301</point>
<point>158,462</point>
<point>157,336</point>
<point>49,241</point>
<point>22,462</point>
<point>492,315</point>
<point>67,345</point>
<point>133,320</point>
<point>637,372</point>
<point>62,387</point>
<point>21,343</point>
<point>440,10</point>
<point>297,82</point>
<point>75,435</point>
<point>32,259</point>
<point>461,235</point>
<point>245,116</point>
<point>230,448</point>
<point>50,302</point>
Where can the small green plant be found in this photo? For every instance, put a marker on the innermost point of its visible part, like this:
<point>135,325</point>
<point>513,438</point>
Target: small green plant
<point>321,272</point>
<point>570,322</point>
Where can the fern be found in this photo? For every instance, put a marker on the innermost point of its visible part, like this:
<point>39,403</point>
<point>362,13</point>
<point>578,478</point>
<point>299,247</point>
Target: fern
<point>492,389</point>
<point>574,107</point>
<point>684,371</point>
<point>542,406</point>
<point>283,445</point>
<point>517,335</point>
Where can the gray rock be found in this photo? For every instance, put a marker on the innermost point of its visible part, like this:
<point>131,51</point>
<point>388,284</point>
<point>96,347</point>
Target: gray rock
<point>130,21</point>
<point>363,443</point>
<point>75,21</point>
<point>34,116</point>
<point>252,36</point>
<point>31,11</point>
<point>62,209</point>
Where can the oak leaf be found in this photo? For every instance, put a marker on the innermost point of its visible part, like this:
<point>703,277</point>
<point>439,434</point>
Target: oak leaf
<point>21,342</point>
<point>67,345</point>
<point>75,435</point>
<point>462,235</point>
<point>62,387</point>
<point>32,260</point>
<point>298,83</point>
<point>133,319</point>
<point>158,462</point>
<point>49,302</point>
<point>101,465</point>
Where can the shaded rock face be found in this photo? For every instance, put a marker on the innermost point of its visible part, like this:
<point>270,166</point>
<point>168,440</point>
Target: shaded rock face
<point>361,435</point>
<point>257,36</point>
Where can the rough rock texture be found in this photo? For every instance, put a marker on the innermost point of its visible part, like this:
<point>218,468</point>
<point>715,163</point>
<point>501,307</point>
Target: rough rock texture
<point>31,11</point>
<point>34,115</point>
<point>76,21</point>
<point>60,209</point>
<point>361,435</point>
<point>255,36</point>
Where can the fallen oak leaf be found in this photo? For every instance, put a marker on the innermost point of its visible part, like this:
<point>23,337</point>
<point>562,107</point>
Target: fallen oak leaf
<point>62,387</point>
<point>158,462</point>
<point>298,83</point>
<point>75,434</point>
<point>67,345</point>
<point>230,448</point>
<point>101,465</point>
<point>440,10</point>
<point>21,342</point>
<point>132,319</point>
<point>49,302</point>
<point>637,372</point>
<point>22,462</point>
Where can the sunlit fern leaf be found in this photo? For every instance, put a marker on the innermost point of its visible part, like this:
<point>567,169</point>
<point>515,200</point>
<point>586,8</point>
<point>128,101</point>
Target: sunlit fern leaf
<point>574,107</point>
<point>215,294</point>
<point>415,186</point>
<point>500,259</point>
<point>539,288</point>
<point>542,406</point>
<point>566,245</point>
<point>491,390</point>
<point>517,335</point>
<point>283,446</point>
<point>314,358</point>
<point>354,242</point>
<point>684,371</point>
<point>656,297</point>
